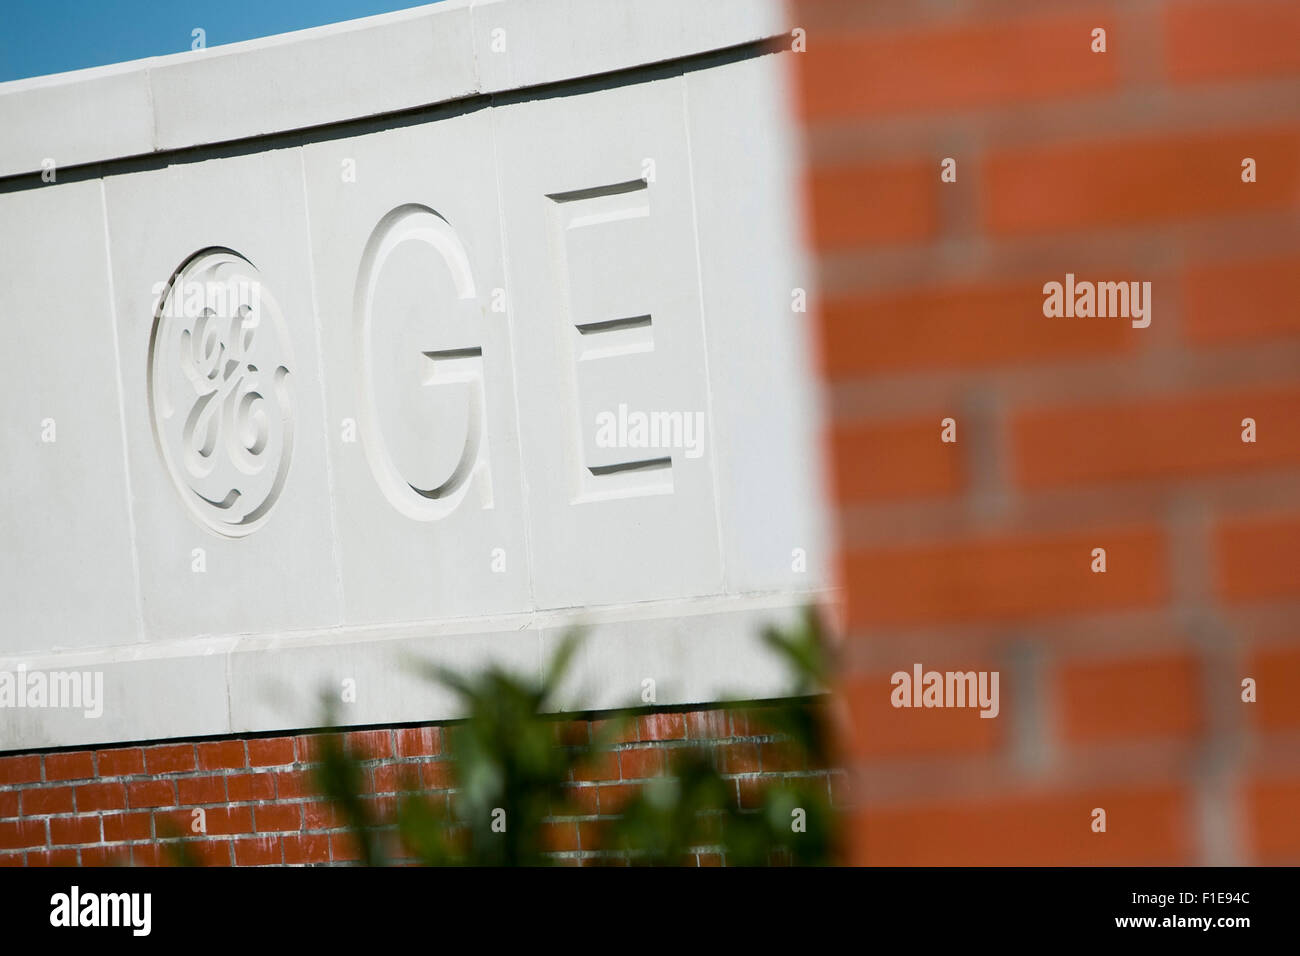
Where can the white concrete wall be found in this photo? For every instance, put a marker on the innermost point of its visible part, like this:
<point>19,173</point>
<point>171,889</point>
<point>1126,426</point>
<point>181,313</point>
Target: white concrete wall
<point>397,455</point>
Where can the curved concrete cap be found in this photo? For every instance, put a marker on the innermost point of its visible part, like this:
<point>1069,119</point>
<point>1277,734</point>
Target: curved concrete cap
<point>359,68</point>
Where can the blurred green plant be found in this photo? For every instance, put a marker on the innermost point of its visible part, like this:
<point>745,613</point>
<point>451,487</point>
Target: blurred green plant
<point>512,771</point>
<point>789,820</point>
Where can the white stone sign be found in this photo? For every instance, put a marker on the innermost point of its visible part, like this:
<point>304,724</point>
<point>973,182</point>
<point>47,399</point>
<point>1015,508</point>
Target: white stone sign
<point>376,343</point>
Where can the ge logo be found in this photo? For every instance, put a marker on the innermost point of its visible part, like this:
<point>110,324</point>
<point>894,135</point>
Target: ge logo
<point>219,378</point>
<point>220,392</point>
<point>220,388</point>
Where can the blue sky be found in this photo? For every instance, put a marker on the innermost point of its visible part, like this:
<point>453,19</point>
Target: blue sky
<point>51,36</point>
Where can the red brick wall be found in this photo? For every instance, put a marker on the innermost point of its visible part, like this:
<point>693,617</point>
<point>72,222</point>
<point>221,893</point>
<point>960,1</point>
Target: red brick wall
<point>1119,690</point>
<point>133,804</point>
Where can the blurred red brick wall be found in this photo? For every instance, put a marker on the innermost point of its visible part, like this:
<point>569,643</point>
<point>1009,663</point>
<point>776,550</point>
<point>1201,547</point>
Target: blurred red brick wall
<point>1119,690</point>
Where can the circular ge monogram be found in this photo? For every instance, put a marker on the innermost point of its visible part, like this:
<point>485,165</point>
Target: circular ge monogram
<point>219,391</point>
